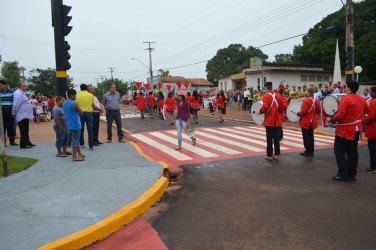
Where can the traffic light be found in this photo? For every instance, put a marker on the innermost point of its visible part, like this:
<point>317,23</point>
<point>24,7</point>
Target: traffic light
<point>60,22</point>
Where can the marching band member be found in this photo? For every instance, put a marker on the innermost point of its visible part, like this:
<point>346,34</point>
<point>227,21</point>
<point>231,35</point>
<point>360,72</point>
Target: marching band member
<point>281,90</point>
<point>221,105</point>
<point>151,104</point>
<point>308,121</point>
<point>370,126</point>
<point>351,110</point>
<point>272,106</point>
<point>170,106</point>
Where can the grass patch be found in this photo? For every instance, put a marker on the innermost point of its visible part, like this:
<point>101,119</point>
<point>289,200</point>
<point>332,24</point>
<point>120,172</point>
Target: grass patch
<point>17,164</point>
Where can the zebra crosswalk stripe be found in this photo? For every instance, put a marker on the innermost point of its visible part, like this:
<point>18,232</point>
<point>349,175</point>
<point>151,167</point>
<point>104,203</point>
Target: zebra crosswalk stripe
<point>243,137</point>
<point>193,149</point>
<point>167,150</point>
<point>215,146</point>
<point>238,144</point>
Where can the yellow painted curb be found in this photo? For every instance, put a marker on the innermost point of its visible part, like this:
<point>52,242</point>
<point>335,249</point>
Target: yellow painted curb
<point>114,222</point>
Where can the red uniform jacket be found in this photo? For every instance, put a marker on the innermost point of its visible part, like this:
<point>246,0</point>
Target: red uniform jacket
<point>282,115</point>
<point>160,103</point>
<point>141,103</point>
<point>188,99</point>
<point>370,120</point>
<point>272,109</point>
<point>221,102</point>
<point>170,103</point>
<point>308,114</point>
<point>195,103</point>
<point>151,102</point>
<point>351,109</point>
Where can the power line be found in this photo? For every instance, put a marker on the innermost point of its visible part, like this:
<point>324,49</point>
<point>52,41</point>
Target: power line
<point>253,24</point>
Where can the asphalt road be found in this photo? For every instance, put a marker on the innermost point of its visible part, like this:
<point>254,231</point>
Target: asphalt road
<point>249,203</point>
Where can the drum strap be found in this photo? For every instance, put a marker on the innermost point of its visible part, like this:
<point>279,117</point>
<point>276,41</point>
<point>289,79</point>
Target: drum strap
<point>313,105</point>
<point>273,102</point>
<point>350,123</point>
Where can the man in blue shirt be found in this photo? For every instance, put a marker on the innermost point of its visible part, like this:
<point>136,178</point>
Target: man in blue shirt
<point>6,105</point>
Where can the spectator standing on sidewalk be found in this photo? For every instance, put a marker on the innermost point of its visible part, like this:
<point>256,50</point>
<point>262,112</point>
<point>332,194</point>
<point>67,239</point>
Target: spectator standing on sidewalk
<point>111,101</point>
<point>23,111</point>
<point>245,94</point>
<point>86,102</point>
<point>72,113</point>
<point>97,111</point>
<point>370,126</point>
<point>6,105</point>
<point>231,98</point>
<point>239,98</point>
<point>60,128</point>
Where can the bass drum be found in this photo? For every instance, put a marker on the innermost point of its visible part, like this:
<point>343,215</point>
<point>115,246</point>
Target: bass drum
<point>293,108</point>
<point>330,103</point>
<point>255,109</point>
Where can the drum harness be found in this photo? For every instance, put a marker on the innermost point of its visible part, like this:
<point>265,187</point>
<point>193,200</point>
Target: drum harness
<point>274,101</point>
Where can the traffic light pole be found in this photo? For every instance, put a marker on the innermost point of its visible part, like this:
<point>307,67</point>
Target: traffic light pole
<point>349,41</point>
<point>60,21</point>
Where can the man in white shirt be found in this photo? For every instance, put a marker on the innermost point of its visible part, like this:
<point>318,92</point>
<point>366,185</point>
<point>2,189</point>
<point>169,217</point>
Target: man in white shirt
<point>336,89</point>
<point>317,95</point>
<point>97,111</point>
<point>246,93</point>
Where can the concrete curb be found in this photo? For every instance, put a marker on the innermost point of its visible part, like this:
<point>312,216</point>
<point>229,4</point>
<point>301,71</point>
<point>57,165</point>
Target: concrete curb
<point>114,222</point>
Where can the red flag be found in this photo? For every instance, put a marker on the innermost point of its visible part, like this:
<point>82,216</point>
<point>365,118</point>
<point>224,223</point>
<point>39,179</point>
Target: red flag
<point>147,86</point>
<point>179,84</point>
<point>169,88</point>
<point>186,85</point>
<point>160,86</point>
<point>138,85</point>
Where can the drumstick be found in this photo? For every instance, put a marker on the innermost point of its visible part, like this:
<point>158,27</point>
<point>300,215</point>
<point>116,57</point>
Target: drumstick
<point>293,112</point>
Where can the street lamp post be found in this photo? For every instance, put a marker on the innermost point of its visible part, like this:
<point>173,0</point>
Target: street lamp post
<point>358,69</point>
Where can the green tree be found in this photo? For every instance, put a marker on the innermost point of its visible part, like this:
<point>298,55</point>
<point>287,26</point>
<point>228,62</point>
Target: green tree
<point>320,43</point>
<point>121,87</point>
<point>43,81</point>
<point>283,58</point>
<point>11,73</point>
<point>230,61</point>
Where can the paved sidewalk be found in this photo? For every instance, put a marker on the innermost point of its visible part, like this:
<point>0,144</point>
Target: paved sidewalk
<point>57,197</point>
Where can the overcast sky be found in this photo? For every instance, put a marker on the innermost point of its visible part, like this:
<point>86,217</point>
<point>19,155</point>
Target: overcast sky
<point>108,33</point>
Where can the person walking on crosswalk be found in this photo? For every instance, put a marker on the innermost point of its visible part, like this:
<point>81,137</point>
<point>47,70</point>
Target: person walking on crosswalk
<point>221,105</point>
<point>308,121</point>
<point>182,119</point>
<point>272,106</point>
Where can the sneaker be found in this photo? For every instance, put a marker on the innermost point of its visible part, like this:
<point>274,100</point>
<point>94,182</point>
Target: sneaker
<point>340,178</point>
<point>371,170</point>
<point>193,141</point>
<point>122,141</point>
<point>275,157</point>
<point>91,149</point>
<point>109,141</point>
<point>83,146</point>
<point>268,158</point>
<point>178,148</point>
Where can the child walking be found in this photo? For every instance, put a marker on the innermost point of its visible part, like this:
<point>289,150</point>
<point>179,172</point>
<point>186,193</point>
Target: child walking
<point>72,115</point>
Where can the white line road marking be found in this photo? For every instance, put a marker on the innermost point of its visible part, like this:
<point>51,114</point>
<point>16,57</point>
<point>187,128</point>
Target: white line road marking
<point>193,149</point>
<point>238,144</point>
<point>242,137</point>
<point>167,150</point>
<point>217,147</point>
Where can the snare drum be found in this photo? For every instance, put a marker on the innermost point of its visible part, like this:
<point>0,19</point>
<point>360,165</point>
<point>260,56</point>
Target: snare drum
<point>293,108</point>
<point>255,109</point>
<point>330,103</point>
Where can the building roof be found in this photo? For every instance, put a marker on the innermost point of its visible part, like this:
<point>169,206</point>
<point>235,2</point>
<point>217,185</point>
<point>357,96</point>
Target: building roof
<point>192,81</point>
<point>200,82</point>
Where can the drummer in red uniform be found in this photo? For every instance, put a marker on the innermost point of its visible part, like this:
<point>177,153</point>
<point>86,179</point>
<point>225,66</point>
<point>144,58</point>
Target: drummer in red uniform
<point>370,126</point>
<point>151,104</point>
<point>273,105</point>
<point>170,106</point>
<point>141,103</point>
<point>281,89</point>
<point>308,121</point>
<point>351,110</point>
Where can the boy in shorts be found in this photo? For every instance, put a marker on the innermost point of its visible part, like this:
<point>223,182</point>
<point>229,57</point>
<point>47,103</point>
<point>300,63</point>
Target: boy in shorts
<point>72,118</point>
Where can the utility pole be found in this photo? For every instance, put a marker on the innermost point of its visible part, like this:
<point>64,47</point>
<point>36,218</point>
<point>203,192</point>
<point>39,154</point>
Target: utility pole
<point>112,71</point>
<point>22,69</point>
<point>102,77</point>
<point>151,65</point>
<point>349,41</point>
